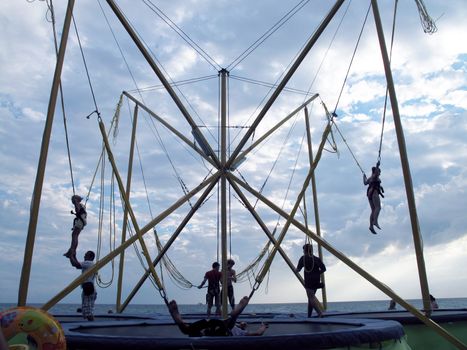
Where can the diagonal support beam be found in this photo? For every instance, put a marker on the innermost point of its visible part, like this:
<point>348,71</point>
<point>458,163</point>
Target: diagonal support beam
<point>169,243</point>
<point>125,214</point>
<point>37,192</point>
<point>378,284</point>
<point>285,80</point>
<point>261,223</point>
<point>162,78</point>
<point>271,131</point>
<point>109,257</point>
<point>170,127</point>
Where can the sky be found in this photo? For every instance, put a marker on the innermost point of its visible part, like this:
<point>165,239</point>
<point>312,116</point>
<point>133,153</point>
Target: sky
<point>429,72</point>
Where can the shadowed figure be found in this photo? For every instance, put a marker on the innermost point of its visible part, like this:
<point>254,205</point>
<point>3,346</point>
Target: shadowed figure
<point>215,327</point>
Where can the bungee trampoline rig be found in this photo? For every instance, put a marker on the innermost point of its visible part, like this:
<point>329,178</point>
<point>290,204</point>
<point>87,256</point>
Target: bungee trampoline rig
<point>222,176</point>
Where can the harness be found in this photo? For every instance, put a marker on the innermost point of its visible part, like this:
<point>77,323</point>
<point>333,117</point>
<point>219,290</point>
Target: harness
<point>81,215</point>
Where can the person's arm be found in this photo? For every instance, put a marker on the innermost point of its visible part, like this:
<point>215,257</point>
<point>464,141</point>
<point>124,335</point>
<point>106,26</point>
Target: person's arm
<point>75,262</point>
<point>365,180</point>
<point>259,331</point>
<point>300,265</point>
<point>202,283</point>
<point>234,276</point>
<point>322,267</point>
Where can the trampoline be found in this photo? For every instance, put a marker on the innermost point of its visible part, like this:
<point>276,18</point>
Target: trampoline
<point>282,334</point>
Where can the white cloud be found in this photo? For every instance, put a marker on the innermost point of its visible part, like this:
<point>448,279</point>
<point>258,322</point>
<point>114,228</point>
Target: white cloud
<point>429,72</point>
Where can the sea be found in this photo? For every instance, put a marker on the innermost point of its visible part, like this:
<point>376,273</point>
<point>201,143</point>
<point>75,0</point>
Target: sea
<point>286,308</point>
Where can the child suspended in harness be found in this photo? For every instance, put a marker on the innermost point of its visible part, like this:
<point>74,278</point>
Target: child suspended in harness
<point>78,224</point>
<point>373,192</point>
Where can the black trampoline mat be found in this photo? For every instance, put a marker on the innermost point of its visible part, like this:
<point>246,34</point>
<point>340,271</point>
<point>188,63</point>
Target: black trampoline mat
<point>172,330</point>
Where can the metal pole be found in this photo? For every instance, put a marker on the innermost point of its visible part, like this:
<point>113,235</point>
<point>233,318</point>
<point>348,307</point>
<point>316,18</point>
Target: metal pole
<point>106,259</point>
<point>224,74</point>
<point>37,192</point>
<point>125,214</point>
<point>271,131</point>
<point>128,208</point>
<point>170,127</point>
<point>161,77</point>
<point>378,284</point>
<point>169,243</point>
<point>286,78</point>
<point>417,238</point>
<point>315,203</point>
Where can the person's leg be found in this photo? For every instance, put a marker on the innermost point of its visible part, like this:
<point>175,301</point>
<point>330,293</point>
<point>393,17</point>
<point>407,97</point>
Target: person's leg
<point>173,309</point>
<point>209,299</point>
<point>85,305</point>
<point>217,301</point>
<point>312,302</point>
<point>230,322</point>
<point>74,242</point>
<point>230,294</point>
<point>372,206</point>
<point>377,208</point>
<point>309,296</point>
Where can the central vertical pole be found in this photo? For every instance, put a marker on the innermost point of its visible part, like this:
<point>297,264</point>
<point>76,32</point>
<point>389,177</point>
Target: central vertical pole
<point>223,76</point>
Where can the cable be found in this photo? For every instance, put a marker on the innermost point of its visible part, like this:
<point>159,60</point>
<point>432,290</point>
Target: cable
<point>176,83</point>
<point>183,35</point>
<point>351,61</point>
<point>327,50</point>
<point>269,85</point>
<point>387,88</point>
<point>86,68</point>
<point>267,34</point>
<point>62,99</point>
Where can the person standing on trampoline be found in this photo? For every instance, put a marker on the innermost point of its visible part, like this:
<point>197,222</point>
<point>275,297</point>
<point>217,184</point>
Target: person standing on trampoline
<point>231,277</point>
<point>314,267</point>
<point>213,294</point>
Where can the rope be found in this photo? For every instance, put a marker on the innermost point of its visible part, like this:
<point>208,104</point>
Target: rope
<point>267,34</point>
<point>175,275</point>
<point>387,88</point>
<point>87,70</point>
<point>330,116</point>
<point>327,50</point>
<point>62,99</point>
<point>182,34</point>
<point>268,85</point>
<point>428,24</point>
<point>351,61</point>
<point>277,158</point>
<point>175,83</point>
<point>117,110</point>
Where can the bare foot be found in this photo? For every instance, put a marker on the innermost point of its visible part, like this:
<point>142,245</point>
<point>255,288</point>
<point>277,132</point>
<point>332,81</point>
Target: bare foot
<point>377,226</point>
<point>173,309</point>
<point>372,230</point>
<point>240,306</point>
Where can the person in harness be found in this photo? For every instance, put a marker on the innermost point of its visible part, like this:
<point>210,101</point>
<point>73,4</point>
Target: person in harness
<point>78,224</point>
<point>373,192</point>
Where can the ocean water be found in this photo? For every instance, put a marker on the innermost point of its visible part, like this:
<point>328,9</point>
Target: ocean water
<point>286,308</point>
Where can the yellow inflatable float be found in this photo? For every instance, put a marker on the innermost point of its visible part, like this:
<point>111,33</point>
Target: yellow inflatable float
<point>31,328</point>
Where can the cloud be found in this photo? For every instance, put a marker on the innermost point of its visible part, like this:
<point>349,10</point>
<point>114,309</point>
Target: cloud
<point>429,73</point>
